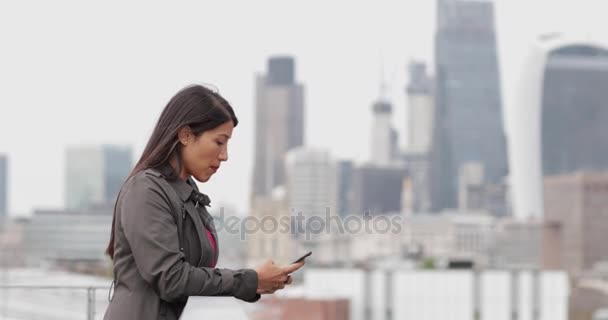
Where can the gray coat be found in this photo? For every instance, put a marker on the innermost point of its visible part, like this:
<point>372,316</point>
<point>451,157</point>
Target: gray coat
<point>159,232</point>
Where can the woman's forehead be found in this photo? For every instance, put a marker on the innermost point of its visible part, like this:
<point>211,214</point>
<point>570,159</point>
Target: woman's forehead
<point>224,130</point>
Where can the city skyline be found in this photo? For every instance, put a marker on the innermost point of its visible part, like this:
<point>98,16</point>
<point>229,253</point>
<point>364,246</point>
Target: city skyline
<point>87,78</point>
<point>434,158</point>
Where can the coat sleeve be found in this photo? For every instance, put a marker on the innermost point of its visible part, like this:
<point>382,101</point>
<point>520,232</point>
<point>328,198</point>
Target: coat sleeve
<point>150,229</point>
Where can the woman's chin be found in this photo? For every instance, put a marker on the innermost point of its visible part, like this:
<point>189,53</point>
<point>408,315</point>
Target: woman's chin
<point>202,178</point>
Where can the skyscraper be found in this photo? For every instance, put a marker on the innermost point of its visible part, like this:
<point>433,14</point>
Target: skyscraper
<point>279,123</point>
<point>383,139</point>
<point>3,186</point>
<point>574,115</point>
<point>420,109</point>
<point>420,124</point>
<point>469,126</point>
<point>556,120</point>
<point>95,174</point>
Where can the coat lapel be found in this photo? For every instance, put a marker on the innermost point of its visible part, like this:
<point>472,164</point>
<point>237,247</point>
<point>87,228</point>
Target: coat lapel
<point>195,217</point>
<point>199,216</point>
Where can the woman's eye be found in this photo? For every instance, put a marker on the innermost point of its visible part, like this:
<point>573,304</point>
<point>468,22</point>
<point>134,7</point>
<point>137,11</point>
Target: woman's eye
<point>219,143</point>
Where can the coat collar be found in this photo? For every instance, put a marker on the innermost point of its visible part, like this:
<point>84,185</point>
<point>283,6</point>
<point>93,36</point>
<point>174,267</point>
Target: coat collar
<point>187,190</point>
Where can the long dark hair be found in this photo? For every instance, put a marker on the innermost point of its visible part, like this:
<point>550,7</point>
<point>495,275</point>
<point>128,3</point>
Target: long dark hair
<point>196,107</point>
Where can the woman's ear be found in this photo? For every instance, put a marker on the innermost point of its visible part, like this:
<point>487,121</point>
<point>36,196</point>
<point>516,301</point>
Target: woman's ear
<point>184,135</point>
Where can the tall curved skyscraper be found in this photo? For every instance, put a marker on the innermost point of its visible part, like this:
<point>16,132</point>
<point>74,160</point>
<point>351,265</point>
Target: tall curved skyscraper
<point>557,115</point>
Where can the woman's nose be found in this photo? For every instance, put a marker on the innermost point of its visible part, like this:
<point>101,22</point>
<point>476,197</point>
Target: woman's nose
<point>224,155</point>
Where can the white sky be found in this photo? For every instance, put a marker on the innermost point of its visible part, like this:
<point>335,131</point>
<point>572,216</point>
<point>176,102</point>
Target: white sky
<point>87,73</point>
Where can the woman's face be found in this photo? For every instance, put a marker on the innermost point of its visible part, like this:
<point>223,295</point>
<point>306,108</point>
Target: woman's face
<point>203,155</point>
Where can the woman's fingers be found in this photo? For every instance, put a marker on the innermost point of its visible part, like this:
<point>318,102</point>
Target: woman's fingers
<point>278,285</point>
<point>292,267</point>
<point>281,286</point>
<point>274,287</point>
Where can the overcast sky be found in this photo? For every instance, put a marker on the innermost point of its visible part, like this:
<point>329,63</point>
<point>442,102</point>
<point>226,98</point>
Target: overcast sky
<point>76,73</point>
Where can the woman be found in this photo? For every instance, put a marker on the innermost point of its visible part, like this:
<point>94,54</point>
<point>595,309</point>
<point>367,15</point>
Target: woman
<point>163,242</point>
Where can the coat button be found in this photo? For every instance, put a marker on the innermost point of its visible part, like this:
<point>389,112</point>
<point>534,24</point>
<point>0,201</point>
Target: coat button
<point>181,249</point>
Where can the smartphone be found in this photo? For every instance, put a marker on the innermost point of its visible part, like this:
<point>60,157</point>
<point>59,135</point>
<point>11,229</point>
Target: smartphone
<point>303,257</point>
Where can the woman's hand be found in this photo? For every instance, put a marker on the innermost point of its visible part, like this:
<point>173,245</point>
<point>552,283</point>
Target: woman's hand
<point>272,277</point>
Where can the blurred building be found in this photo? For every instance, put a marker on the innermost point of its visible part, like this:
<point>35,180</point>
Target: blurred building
<point>345,177</point>
<point>377,185</point>
<point>68,239</point>
<point>574,131</point>
<point>384,138</point>
<point>95,174</point>
<point>418,169</point>
<point>376,189</point>
<point>3,187</point>
<point>312,193</point>
<point>475,239</point>
<point>516,245</point>
<point>429,236</point>
<point>576,213</point>
<point>420,122</point>
<point>453,237</point>
<point>444,238</point>
<point>420,109</point>
<point>272,239</point>
<point>492,197</point>
<point>557,116</point>
<point>468,125</point>
<point>279,123</point>
<point>359,243</point>
<point>11,243</point>
<point>476,195</point>
<point>478,238</point>
<point>470,175</point>
<point>311,181</point>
